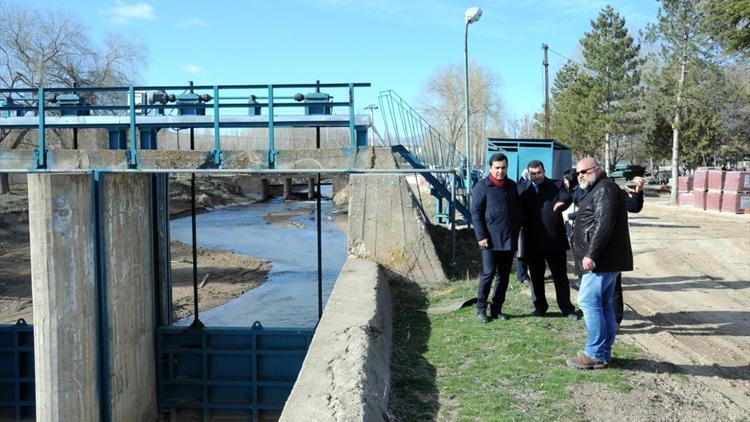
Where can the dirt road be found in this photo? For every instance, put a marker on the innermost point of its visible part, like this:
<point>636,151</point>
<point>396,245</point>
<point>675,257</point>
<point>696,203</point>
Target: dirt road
<point>687,303</point>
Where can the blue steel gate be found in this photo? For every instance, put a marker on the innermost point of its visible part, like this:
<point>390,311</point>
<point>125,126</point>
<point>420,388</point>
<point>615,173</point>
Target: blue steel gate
<point>17,371</point>
<point>227,373</point>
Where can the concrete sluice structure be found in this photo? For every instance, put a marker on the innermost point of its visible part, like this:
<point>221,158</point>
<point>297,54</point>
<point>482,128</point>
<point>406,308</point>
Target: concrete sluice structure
<point>100,283</point>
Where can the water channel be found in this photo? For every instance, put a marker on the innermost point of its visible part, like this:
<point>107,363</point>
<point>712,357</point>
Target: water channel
<point>289,297</point>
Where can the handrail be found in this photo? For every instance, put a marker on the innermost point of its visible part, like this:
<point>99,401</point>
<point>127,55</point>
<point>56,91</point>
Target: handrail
<point>422,139</point>
<point>121,101</point>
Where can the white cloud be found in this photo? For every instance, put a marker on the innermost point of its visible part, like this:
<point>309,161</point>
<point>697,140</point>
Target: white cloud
<point>123,13</point>
<point>191,23</point>
<point>191,68</point>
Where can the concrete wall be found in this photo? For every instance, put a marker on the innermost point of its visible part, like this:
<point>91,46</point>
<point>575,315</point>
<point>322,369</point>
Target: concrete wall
<point>130,293</point>
<point>346,374</point>
<point>61,218</point>
<point>385,225</point>
<point>65,290</point>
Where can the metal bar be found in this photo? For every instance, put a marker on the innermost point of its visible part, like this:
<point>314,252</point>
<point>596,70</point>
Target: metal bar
<point>271,140</point>
<point>352,134</point>
<point>319,231</point>
<point>102,321</point>
<point>234,171</point>
<point>41,156</point>
<point>133,158</point>
<point>394,120</point>
<point>217,142</point>
<point>452,213</point>
<point>196,319</point>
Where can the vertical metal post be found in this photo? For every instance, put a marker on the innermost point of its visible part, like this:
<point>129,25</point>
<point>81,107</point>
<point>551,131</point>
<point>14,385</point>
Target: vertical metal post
<point>133,157</point>
<point>102,320</point>
<point>352,134</point>
<point>41,153</point>
<point>217,142</point>
<point>320,242</point>
<point>452,216</point>
<point>196,319</point>
<point>466,126</point>
<point>546,92</point>
<point>271,140</point>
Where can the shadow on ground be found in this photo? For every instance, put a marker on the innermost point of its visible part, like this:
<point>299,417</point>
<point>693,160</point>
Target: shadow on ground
<point>659,367</point>
<point>414,395</point>
<point>692,323</point>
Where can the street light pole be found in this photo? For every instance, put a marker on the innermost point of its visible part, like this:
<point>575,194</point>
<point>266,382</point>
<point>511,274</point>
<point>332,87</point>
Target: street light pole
<point>471,15</point>
<point>372,107</point>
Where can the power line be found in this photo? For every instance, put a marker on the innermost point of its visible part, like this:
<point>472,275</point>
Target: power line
<point>573,61</point>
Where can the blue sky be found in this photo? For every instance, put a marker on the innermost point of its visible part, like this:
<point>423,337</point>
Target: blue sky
<point>393,44</point>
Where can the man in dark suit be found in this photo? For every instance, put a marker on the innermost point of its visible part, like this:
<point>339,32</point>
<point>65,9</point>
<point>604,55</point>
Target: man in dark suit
<point>545,240</point>
<point>497,220</point>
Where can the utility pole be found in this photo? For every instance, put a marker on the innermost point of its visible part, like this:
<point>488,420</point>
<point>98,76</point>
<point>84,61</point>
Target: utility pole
<point>372,107</point>
<point>546,92</point>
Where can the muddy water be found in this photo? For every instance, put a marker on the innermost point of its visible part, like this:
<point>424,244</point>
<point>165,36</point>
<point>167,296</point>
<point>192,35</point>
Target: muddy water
<point>289,298</point>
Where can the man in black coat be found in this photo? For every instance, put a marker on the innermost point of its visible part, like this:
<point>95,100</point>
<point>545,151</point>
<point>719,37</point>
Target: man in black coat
<point>497,220</point>
<point>601,248</point>
<point>634,204</point>
<point>545,240</point>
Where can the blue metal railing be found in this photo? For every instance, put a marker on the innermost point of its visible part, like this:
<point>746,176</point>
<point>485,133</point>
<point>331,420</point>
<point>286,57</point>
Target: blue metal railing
<point>423,147</point>
<point>220,100</point>
<point>405,126</point>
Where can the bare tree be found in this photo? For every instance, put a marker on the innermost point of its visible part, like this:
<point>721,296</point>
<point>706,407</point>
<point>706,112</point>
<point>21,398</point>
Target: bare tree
<point>45,48</point>
<point>524,127</point>
<point>443,103</point>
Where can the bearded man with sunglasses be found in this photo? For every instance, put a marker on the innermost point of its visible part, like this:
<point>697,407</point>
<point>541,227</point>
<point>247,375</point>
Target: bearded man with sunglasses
<point>601,248</point>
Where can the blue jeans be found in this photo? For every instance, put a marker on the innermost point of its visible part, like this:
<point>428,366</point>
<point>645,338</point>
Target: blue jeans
<point>596,300</point>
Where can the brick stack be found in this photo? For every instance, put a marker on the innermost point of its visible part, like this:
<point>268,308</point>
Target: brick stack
<point>684,190</point>
<point>700,187</point>
<point>715,186</point>
<point>736,195</point>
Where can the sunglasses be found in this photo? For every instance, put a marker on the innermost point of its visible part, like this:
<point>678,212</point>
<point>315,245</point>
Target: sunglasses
<point>586,171</point>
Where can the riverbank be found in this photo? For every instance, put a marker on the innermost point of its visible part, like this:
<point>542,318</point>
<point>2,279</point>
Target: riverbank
<point>227,275</point>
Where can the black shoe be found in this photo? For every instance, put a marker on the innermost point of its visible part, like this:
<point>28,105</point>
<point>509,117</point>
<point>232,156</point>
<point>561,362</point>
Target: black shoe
<point>501,316</point>
<point>575,285</point>
<point>538,312</point>
<point>483,318</point>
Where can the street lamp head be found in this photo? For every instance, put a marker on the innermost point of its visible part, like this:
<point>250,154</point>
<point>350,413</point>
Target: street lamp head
<point>472,15</point>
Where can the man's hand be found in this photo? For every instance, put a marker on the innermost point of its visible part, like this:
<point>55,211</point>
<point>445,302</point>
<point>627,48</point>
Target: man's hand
<point>558,206</point>
<point>587,264</point>
<point>484,243</point>
<point>639,182</point>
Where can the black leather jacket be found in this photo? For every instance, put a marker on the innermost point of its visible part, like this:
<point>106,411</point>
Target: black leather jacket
<point>601,229</point>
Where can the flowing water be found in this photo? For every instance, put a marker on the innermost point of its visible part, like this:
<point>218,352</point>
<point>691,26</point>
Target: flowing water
<point>289,297</point>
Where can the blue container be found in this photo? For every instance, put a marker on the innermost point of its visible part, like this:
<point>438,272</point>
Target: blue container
<point>555,156</point>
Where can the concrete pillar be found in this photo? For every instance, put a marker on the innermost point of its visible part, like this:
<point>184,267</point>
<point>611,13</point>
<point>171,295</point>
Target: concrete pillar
<point>61,228</point>
<point>128,259</point>
<point>287,188</point>
<point>311,188</point>
<point>264,191</point>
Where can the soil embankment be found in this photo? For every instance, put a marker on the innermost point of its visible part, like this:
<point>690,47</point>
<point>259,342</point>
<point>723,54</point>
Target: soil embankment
<point>223,275</point>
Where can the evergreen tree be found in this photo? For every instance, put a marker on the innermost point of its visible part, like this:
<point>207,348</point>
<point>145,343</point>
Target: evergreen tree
<point>685,51</point>
<point>611,54</point>
<point>728,22</point>
<point>597,103</point>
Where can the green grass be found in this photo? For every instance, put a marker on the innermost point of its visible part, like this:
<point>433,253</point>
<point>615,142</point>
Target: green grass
<point>451,367</point>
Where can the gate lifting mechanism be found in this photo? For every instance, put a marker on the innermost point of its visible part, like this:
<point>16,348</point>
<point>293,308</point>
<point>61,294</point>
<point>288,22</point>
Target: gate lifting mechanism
<point>125,110</point>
